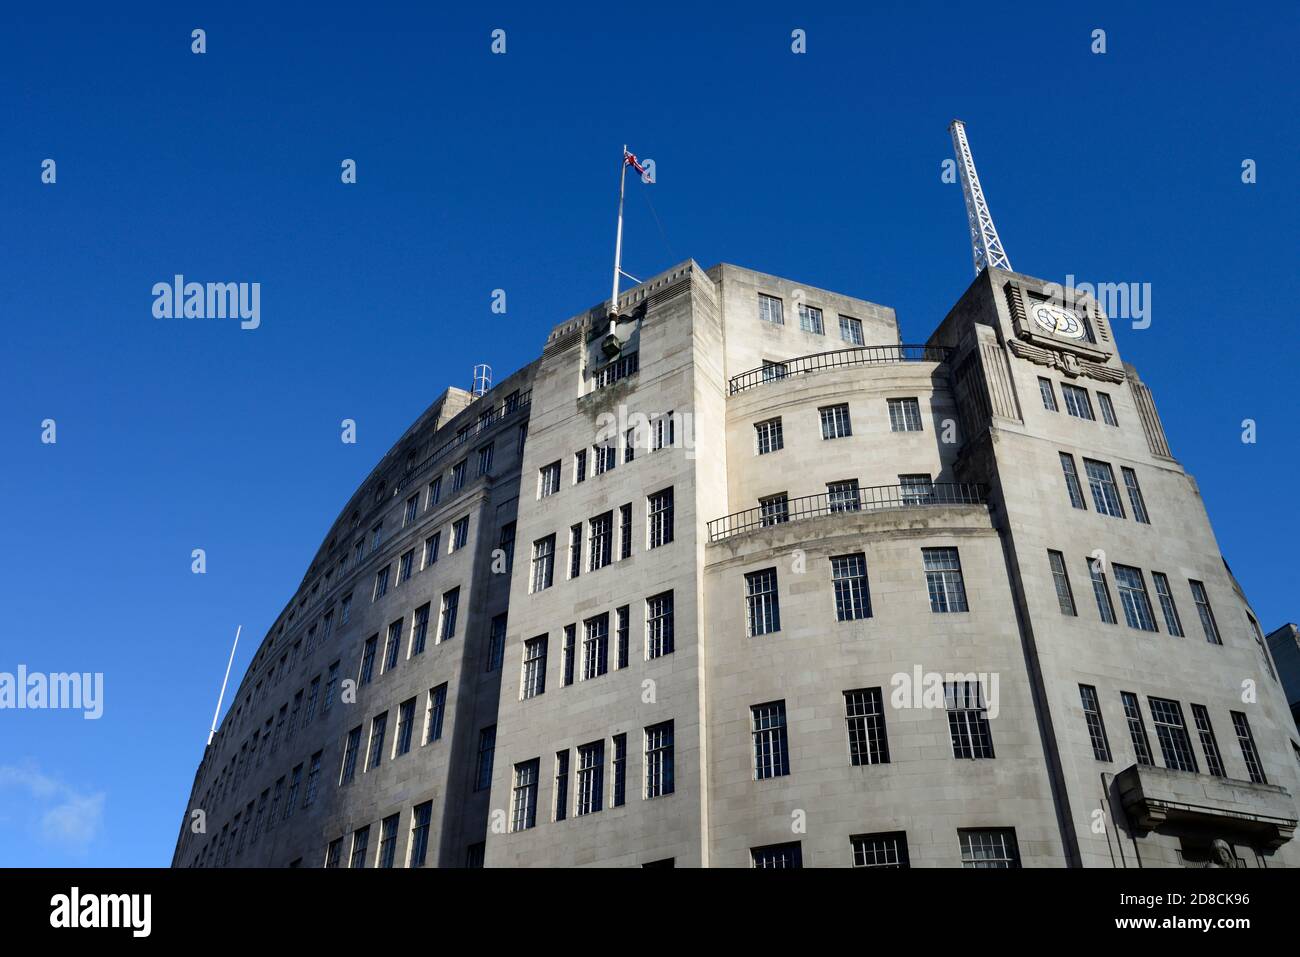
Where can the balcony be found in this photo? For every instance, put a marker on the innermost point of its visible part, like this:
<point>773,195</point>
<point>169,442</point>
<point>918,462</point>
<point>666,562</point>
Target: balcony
<point>873,498</point>
<point>1260,814</point>
<point>840,359</point>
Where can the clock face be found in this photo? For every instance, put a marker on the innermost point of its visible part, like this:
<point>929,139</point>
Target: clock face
<point>1063,322</point>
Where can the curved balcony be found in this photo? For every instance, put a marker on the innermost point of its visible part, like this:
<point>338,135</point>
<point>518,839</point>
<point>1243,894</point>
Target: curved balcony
<point>840,358</point>
<point>873,498</point>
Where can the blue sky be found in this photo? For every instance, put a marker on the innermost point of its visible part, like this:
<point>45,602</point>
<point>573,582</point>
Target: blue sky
<point>478,172</point>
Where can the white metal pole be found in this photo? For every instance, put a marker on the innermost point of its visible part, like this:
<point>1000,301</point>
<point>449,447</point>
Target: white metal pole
<point>618,240</point>
<point>222,695</point>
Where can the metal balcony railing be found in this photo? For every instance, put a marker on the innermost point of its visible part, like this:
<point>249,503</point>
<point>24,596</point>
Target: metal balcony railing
<point>841,358</point>
<point>481,425</point>
<point>776,512</point>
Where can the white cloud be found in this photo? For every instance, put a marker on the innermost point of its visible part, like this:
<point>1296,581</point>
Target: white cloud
<point>67,817</point>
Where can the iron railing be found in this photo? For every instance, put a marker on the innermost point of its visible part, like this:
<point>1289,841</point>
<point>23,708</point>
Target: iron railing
<point>508,407</point>
<point>776,512</point>
<point>841,358</point>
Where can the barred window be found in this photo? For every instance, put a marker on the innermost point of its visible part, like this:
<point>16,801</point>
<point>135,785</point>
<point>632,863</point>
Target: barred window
<point>659,760</point>
<point>1096,726</point>
<point>533,682</point>
<point>1101,592</point>
<point>904,415</point>
<point>943,580</point>
<point>543,573</point>
<point>660,516</point>
<point>770,309</point>
<point>1072,481</point>
<point>1105,494</point>
<point>762,606</point>
<point>595,646</point>
<point>843,496</point>
<point>1171,732</point>
<point>777,856</point>
<point>1107,409</point>
<point>769,436</point>
<point>1249,753</point>
<point>774,509</point>
<point>1135,496</point>
<point>1133,597</point>
<point>888,850</point>
<point>447,617</point>
<point>1173,624</point>
<point>433,715</point>
<point>487,746</point>
<point>618,770</point>
<point>1061,578</point>
<point>591,777</point>
<point>1137,729</point>
<point>968,722</point>
<point>771,753</point>
<point>420,820</point>
<point>1209,744</point>
<point>1048,393</point>
<point>1202,600</point>
<point>849,579</point>
<point>864,714</point>
<point>1077,402</point>
<point>810,320</point>
<point>659,625</point>
<point>851,330</point>
<point>523,813</point>
<point>994,848</point>
<point>548,480</point>
<point>835,421</point>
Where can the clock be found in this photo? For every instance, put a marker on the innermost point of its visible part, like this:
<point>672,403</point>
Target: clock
<point>1062,322</point>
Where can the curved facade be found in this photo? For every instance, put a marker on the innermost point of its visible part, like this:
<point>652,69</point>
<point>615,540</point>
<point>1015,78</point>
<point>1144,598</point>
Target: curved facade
<point>787,592</point>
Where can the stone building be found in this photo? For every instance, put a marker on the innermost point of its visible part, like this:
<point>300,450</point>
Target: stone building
<point>740,579</point>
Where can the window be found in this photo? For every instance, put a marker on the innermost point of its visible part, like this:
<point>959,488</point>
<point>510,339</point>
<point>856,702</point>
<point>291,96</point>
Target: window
<point>360,842</point>
<point>579,466</point>
<point>770,310</point>
<point>368,659</point>
<point>420,629</point>
<point>1173,624</point>
<point>659,625</point>
<point>543,575</point>
<point>810,320</point>
<point>548,480</point>
<point>1096,726</point>
<point>664,436</point>
<point>477,852</point>
<point>433,715</point>
<point>773,370</point>
<point>774,510</point>
<point>849,579</point>
<point>769,436</point>
<point>1135,496</point>
<point>313,780</point>
<point>843,496</point>
<point>458,476</point>
<point>575,550</point>
<point>968,722</point>
<point>1107,409</point>
<point>851,330</point>
<point>591,774</point>
<point>618,768</point>
<point>334,853</point>
<point>496,649</point>
<point>393,645</point>
<point>358,552</point>
<point>625,531</point>
<point>313,695</point>
<point>864,713</point>
<point>331,684</point>
<point>1105,495</point>
<point>595,646</point>
<point>659,514</point>
<point>561,784</point>
<point>376,537</point>
<point>506,546</point>
<point>1061,578</point>
<point>1260,644</point>
<point>762,606</point>
<point>420,820</point>
<point>1209,744</point>
<point>659,760</point>
<point>622,616</point>
<point>523,814</point>
<point>295,781</point>
<point>1171,732</point>
<point>606,458</point>
<point>1101,592</point>
<point>431,550</point>
<point>533,681</point>
<point>602,541</point>
<point>447,616</point>
<point>434,494</point>
<point>904,415</point>
<point>917,489</point>
<point>620,368</point>
<point>570,653</point>
<point>629,445</point>
<point>405,726</point>
<point>350,752</point>
<point>378,727</point>
<point>944,581</point>
<point>487,745</point>
<point>1133,598</point>
<point>989,849</point>
<point>1072,481</point>
<point>771,751</point>
<point>405,565</point>
<point>835,421</point>
<point>1248,752</point>
<point>381,584</point>
<point>1077,402</point>
<point>485,459</point>
<point>1137,729</point>
<point>1048,393</point>
<point>387,841</point>
<point>1202,600</point>
<point>459,533</point>
<point>777,856</point>
<point>880,850</point>
<point>412,506</point>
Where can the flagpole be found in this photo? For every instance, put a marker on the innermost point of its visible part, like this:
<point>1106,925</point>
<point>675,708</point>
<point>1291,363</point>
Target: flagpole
<point>618,242</point>
<point>223,684</point>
